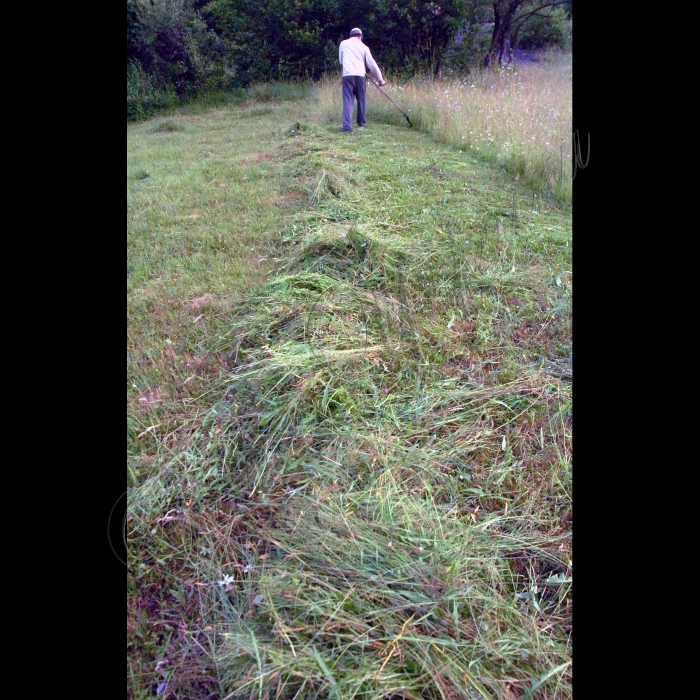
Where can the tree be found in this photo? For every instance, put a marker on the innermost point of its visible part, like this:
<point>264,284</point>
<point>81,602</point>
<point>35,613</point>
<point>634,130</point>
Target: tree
<point>170,42</point>
<point>541,31</point>
<point>508,18</point>
<point>410,36</point>
<point>274,40</point>
<point>280,39</point>
<point>133,15</point>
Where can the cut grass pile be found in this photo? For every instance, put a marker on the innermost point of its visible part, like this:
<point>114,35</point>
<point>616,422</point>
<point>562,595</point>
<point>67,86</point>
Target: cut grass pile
<point>350,434</point>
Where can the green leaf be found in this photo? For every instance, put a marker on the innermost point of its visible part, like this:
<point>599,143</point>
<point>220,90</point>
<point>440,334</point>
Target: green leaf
<point>478,492</point>
<point>327,672</point>
<point>537,683</point>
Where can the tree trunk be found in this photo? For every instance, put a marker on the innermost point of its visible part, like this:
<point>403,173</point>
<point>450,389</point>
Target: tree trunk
<point>506,14</point>
<point>499,38</point>
<point>512,44</point>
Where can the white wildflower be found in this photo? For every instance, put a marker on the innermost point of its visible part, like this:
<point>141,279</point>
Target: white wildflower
<point>227,580</point>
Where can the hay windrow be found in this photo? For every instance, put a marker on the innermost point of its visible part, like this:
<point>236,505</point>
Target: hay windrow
<point>352,477</point>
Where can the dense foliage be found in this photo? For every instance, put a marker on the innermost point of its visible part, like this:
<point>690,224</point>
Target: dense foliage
<point>177,49</point>
<point>542,31</point>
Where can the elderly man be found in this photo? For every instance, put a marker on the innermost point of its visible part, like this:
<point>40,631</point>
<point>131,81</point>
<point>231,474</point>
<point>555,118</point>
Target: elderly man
<point>356,59</point>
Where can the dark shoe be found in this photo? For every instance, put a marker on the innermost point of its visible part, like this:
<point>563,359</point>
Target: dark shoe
<point>347,131</point>
<point>362,126</point>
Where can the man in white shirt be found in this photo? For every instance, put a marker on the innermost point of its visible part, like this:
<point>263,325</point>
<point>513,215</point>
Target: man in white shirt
<point>356,59</point>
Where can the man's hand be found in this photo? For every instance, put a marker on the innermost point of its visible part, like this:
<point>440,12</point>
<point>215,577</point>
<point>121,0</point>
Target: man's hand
<point>382,82</point>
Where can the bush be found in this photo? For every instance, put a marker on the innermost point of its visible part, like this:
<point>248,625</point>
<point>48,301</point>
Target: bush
<point>545,32</point>
<point>467,50</point>
<point>144,97</point>
<point>175,46</point>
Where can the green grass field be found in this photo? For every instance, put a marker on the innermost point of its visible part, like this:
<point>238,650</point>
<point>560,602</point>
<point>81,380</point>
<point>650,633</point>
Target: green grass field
<point>349,410</point>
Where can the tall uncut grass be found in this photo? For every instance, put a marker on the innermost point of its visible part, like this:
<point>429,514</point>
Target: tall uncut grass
<point>519,117</point>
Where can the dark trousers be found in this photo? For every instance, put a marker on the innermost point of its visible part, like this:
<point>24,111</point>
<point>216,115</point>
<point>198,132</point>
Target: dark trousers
<point>354,86</point>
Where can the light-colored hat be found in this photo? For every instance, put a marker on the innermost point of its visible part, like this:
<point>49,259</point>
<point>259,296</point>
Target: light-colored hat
<point>356,32</point>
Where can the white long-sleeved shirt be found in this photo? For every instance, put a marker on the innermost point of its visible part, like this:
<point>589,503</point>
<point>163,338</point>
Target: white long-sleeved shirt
<point>356,58</point>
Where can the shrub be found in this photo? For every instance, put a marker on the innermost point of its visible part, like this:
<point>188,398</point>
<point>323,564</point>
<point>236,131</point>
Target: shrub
<point>468,49</point>
<point>144,97</point>
<point>545,32</point>
<point>176,47</point>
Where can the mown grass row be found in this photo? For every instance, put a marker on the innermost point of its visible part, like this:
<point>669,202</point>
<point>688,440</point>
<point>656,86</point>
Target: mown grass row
<point>350,423</point>
<point>518,118</point>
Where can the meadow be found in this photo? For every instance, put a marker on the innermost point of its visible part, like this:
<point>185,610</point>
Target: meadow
<point>349,393</point>
<point>518,118</point>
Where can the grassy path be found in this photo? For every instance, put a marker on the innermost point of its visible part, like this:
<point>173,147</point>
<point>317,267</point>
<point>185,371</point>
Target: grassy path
<point>349,415</point>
